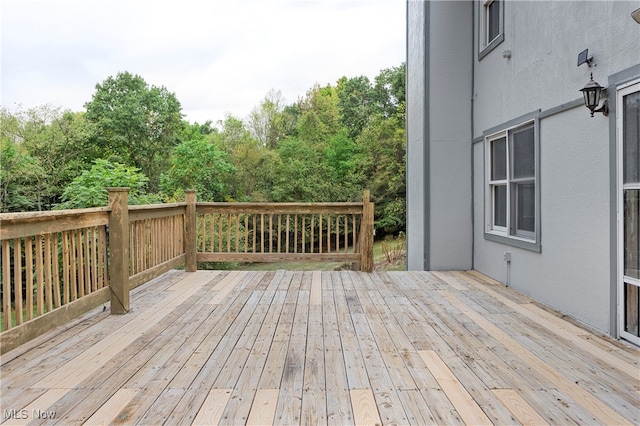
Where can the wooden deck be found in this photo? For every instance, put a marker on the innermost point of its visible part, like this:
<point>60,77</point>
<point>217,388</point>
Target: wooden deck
<point>213,347</point>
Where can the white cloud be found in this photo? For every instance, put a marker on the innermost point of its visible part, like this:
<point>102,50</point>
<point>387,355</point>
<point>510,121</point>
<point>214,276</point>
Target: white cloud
<point>217,56</point>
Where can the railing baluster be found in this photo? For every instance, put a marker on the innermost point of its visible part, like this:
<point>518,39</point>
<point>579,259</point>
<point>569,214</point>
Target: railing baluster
<point>280,233</point>
<point>353,230</point>
<point>6,284</point>
<point>47,272</point>
<point>295,233</point>
<point>39,275</point>
<point>303,232</point>
<point>237,232</point>
<point>94,259</point>
<point>246,232</point>
<point>346,234</point>
<point>17,274</point>
<point>228,233</point>
<point>65,267</point>
<point>337,233</point>
<point>320,233</point>
<point>74,266</point>
<point>261,232</point>
<point>87,266</point>
<point>313,229</point>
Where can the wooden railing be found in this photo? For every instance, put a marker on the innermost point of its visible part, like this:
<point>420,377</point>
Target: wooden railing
<point>275,232</point>
<point>58,265</point>
<point>51,262</point>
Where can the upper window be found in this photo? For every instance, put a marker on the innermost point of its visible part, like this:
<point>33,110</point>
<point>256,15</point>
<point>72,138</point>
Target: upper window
<point>512,186</point>
<point>491,25</point>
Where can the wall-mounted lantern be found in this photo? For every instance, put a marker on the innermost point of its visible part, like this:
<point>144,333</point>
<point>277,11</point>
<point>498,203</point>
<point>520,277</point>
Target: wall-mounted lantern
<point>592,92</point>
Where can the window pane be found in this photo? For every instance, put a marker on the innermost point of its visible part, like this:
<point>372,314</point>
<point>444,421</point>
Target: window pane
<point>631,132</point>
<point>523,152</point>
<point>632,302</point>
<point>493,20</point>
<point>525,194</point>
<point>499,159</point>
<point>631,233</point>
<point>500,205</point>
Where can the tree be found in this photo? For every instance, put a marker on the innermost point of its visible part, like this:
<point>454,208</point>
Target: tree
<point>339,169</point>
<point>90,188</point>
<point>298,174</point>
<point>56,143</point>
<point>200,165</point>
<point>262,120</point>
<point>381,160</point>
<point>320,115</point>
<point>17,170</point>
<point>233,133</point>
<point>390,89</point>
<point>357,101</point>
<point>136,123</point>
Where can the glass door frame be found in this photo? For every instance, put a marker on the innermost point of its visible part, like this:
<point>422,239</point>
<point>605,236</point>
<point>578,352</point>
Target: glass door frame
<point>621,92</point>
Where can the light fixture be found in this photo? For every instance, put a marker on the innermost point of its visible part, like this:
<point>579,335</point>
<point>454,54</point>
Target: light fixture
<point>636,15</point>
<point>592,92</point>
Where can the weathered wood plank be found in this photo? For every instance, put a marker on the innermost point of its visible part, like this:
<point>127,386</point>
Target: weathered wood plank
<point>600,410</point>
<point>289,406</point>
<point>563,329</point>
<point>109,411</point>
<point>271,325</point>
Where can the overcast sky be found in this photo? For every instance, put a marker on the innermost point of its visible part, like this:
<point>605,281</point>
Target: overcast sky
<point>217,56</point>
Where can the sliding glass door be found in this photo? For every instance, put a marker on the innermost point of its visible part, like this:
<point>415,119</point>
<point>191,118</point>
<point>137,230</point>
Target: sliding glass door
<point>628,129</point>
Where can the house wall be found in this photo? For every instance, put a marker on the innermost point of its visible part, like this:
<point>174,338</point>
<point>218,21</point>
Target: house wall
<point>572,273</point>
<point>417,154</point>
<point>439,63</point>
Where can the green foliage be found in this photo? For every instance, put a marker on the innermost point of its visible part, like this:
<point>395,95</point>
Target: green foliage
<point>320,116</point>
<point>357,103</point>
<point>200,165</point>
<point>56,144</point>
<point>297,173</point>
<point>17,170</point>
<point>136,124</point>
<point>381,159</point>
<point>329,145</point>
<point>90,188</point>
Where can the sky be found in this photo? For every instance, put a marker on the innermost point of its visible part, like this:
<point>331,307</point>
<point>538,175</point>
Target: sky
<point>219,57</point>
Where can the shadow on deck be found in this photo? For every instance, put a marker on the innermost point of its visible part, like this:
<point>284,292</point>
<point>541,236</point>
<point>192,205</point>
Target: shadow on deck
<point>218,347</point>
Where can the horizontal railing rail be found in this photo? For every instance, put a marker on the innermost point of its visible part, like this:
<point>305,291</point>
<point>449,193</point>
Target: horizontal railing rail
<point>58,265</point>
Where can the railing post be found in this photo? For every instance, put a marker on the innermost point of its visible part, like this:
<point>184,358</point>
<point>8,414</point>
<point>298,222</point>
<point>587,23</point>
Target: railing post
<point>366,235</point>
<point>119,249</point>
<point>191,264</point>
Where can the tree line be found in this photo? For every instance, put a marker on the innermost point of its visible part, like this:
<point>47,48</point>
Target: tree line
<point>329,145</point>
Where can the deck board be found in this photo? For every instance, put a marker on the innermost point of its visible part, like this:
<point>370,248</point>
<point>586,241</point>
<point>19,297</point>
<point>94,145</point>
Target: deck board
<point>334,348</point>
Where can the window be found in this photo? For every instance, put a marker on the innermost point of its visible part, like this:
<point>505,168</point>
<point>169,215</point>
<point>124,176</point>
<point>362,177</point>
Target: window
<point>491,25</point>
<point>512,206</point>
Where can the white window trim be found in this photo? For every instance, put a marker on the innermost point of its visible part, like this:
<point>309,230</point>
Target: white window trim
<point>484,45</point>
<point>622,90</point>
<point>498,233</point>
